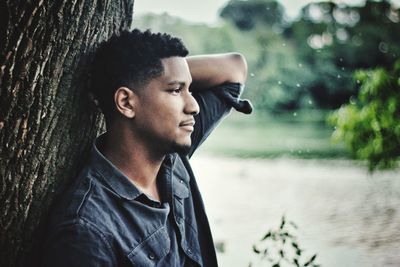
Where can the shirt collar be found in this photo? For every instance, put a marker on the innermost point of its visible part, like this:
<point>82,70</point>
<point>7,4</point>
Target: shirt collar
<point>174,176</point>
<point>110,174</point>
<point>121,184</point>
<point>180,179</point>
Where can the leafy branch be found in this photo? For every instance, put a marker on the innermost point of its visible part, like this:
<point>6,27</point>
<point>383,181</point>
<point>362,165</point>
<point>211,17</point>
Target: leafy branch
<point>369,124</point>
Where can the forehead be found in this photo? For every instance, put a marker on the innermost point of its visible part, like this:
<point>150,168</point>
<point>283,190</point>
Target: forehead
<point>175,69</point>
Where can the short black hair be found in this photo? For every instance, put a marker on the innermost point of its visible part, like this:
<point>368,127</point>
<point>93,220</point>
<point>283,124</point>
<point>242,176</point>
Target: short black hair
<point>130,59</point>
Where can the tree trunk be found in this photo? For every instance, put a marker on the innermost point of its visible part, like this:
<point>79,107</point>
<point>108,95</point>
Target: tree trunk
<point>46,120</point>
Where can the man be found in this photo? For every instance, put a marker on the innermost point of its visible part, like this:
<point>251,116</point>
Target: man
<point>136,203</point>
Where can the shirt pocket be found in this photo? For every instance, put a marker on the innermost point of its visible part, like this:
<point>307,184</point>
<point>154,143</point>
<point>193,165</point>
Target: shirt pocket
<point>151,250</point>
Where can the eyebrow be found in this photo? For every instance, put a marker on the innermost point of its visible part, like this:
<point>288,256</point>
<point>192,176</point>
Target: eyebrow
<point>177,82</point>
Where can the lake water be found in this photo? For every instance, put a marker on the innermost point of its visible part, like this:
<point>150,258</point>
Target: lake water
<point>347,216</point>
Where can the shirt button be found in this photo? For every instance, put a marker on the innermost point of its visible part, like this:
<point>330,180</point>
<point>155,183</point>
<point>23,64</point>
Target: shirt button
<point>151,256</point>
<point>181,181</point>
<point>189,251</point>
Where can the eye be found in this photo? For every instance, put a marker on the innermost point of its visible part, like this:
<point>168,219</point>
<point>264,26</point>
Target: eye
<point>175,91</point>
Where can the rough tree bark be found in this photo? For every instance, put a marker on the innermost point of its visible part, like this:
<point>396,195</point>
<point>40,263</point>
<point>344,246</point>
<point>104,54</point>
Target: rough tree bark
<point>45,119</point>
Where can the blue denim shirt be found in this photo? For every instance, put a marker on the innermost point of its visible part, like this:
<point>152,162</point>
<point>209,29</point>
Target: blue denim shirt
<point>104,220</point>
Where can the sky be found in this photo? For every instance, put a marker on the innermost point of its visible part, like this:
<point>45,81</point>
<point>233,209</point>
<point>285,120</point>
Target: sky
<point>206,11</point>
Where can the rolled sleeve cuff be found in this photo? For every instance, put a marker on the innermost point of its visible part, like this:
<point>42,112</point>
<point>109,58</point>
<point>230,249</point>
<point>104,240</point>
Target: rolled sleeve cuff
<point>231,95</point>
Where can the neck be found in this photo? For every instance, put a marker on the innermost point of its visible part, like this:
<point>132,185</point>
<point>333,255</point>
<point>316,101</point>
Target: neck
<point>137,161</point>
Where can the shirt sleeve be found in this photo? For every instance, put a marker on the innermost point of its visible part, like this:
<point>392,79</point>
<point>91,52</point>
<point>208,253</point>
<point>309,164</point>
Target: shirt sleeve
<point>78,245</point>
<point>215,103</point>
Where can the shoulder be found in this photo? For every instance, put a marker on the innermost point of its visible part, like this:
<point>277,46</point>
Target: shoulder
<point>79,217</point>
<point>82,204</point>
<point>78,243</point>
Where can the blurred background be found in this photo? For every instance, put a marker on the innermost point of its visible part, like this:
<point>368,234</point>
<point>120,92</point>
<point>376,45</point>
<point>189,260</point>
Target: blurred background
<point>323,144</point>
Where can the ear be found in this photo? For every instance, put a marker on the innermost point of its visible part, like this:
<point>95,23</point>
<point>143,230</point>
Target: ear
<point>125,100</point>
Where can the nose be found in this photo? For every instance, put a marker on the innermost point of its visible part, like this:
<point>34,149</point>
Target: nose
<point>191,105</point>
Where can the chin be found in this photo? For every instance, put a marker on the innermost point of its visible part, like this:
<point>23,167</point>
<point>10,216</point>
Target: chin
<point>182,148</point>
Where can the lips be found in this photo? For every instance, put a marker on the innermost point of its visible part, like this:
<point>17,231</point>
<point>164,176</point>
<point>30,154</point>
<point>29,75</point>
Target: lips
<point>187,125</point>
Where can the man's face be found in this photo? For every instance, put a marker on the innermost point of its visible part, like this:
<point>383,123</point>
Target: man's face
<point>164,114</point>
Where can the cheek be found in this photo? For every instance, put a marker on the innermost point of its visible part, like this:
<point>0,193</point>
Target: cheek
<point>163,112</point>
<point>170,109</point>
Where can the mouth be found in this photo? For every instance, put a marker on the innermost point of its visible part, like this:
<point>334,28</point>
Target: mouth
<point>187,125</point>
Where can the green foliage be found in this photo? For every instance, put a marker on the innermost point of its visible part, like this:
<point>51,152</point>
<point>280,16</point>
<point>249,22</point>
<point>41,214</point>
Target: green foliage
<point>280,247</point>
<point>334,40</point>
<point>370,124</point>
<point>195,36</point>
<point>246,15</point>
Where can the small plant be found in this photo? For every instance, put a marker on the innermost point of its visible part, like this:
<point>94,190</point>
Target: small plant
<point>280,247</point>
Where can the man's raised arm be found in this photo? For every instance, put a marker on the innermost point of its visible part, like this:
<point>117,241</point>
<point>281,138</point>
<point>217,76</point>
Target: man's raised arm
<point>211,70</point>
